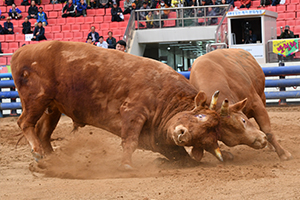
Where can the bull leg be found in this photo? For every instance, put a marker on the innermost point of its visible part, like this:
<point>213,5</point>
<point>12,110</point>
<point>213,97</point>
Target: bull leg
<point>131,128</point>
<point>45,127</point>
<point>32,112</point>
<point>262,118</point>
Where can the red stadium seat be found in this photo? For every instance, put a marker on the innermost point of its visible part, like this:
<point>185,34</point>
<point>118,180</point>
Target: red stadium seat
<point>18,30</point>
<point>60,21</point>
<point>56,29</point>
<point>13,45</point>
<point>71,20</point>
<point>68,35</point>
<point>58,36</point>
<point>107,18</point>
<point>126,17</point>
<point>98,19</point>
<point>52,15</point>
<point>104,26</point>
<point>293,2</point>
<point>4,45</point>
<point>281,16</point>
<point>20,37</point>
<point>3,60</point>
<point>49,36</point>
<point>89,20</point>
<point>80,20</point>
<point>291,8</point>
<point>271,8</point>
<point>255,4</point>
<point>78,35</point>
<point>58,7</point>
<point>280,8</point>
<point>114,25</point>
<point>9,38</point>
<point>290,15</point>
<point>91,12</point>
<point>75,28</point>
<point>297,22</point>
<point>100,12</point>
<point>280,23</point>
<point>3,9</point>
<point>51,21</point>
<point>117,32</point>
<point>85,27</point>
<point>49,7</point>
<point>108,11</point>
<point>123,24</point>
<point>66,28</point>
<point>22,8</point>
<point>297,30</point>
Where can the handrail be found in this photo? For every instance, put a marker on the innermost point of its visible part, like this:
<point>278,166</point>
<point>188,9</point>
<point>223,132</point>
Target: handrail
<point>230,7</point>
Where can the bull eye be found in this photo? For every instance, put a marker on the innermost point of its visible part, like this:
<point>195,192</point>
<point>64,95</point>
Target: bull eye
<point>200,116</point>
<point>243,120</point>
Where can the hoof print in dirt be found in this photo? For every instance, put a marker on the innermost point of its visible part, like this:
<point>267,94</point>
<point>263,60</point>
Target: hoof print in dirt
<point>227,156</point>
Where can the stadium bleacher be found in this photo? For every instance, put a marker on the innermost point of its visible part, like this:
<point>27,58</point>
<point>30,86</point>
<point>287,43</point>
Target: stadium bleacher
<point>58,28</point>
<point>77,28</point>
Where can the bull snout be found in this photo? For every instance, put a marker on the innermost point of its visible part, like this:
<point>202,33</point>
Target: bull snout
<point>181,136</point>
<point>260,141</point>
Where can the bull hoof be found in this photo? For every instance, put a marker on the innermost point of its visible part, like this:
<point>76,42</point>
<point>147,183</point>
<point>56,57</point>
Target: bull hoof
<point>227,156</point>
<point>286,156</point>
<point>37,157</point>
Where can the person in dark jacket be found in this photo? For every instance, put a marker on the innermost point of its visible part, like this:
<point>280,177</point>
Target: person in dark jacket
<point>92,4</point>
<point>32,10</point>
<point>39,33</point>
<point>81,8</point>
<point>94,35</point>
<point>111,41</point>
<point>116,13</point>
<point>69,9</point>
<point>8,26</point>
<point>26,26</point>
<point>9,2</point>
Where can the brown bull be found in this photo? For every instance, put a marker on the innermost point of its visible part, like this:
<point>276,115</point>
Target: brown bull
<point>143,101</point>
<point>241,80</point>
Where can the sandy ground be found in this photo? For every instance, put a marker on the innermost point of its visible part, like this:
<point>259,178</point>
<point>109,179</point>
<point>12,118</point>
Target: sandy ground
<point>84,166</point>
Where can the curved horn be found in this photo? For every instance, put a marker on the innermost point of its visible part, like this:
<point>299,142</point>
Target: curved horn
<point>225,108</point>
<point>214,100</point>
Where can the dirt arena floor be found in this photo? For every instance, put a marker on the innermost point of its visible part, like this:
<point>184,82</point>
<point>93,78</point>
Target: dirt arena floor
<point>84,166</point>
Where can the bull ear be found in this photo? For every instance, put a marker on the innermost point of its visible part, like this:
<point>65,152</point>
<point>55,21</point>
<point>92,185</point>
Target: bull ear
<point>238,106</point>
<point>225,108</point>
<point>200,99</point>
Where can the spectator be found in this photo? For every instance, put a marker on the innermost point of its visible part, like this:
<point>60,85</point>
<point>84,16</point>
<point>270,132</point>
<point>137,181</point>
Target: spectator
<point>252,36</point>
<point>39,32</point>
<point>69,10</point>
<point>149,19</point>
<point>102,43</point>
<point>144,13</point>
<point>116,13</point>
<point>14,13</point>
<point>134,8</point>
<point>176,3</point>
<point>156,17</point>
<point>121,45</point>
<point>287,33</point>
<point>103,3</point>
<point>245,3</point>
<point>89,40</point>
<point>264,3</point>
<point>164,13</point>
<point>9,2</point>
<point>230,2</point>
<point>94,35</point>
<point>25,3</point>
<point>32,10</point>
<point>41,17</point>
<point>206,2</point>
<point>275,2</point>
<point>1,30</point>
<point>8,26</point>
<point>114,1</point>
<point>127,7</point>
<point>1,16</point>
<point>81,8</point>
<point>111,41</point>
<point>92,4</point>
<point>26,26</point>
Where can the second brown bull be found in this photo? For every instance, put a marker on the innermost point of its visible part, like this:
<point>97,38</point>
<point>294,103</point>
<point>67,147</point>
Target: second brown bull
<point>241,81</point>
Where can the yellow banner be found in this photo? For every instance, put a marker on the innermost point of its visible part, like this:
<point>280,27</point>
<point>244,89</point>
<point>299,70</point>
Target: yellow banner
<point>285,47</point>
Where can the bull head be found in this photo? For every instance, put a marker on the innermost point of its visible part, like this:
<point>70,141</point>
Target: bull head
<point>197,128</point>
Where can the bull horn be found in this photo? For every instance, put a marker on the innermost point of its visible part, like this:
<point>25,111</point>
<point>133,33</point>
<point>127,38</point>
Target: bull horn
<point>214,100</point>
<point>218,154</point>
<point>225,108</point>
